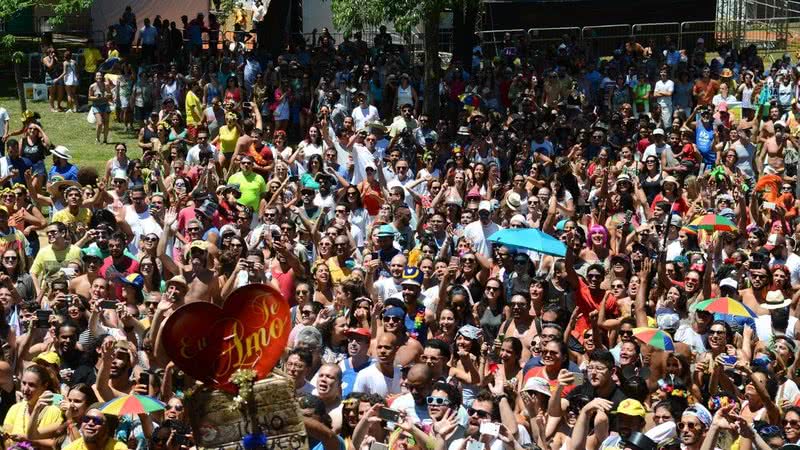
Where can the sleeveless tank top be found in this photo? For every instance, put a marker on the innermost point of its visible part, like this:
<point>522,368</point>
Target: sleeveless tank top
<point>704,139</point>
<point>404,96</point>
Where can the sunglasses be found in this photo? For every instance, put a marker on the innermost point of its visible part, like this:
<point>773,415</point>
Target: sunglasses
<point>437,400</point>
<point>392,319</point>
<point>481,414</point>
<point>93,420</point>
<point>691,426</point>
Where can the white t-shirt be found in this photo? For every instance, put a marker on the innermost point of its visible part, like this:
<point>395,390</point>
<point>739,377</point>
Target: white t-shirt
<point>688,336</point>
<point>792,263</point>
<point>141,224</point>
<point>653,150</point>
<point>372,381</point>
<point>764,328</point>
<point>362,116</point>
<point>386,287</point>
<point>193,155</point>
<point>479,236</point>
<point>405,403</point>
<point>523,437</point>
<point>664,87</point>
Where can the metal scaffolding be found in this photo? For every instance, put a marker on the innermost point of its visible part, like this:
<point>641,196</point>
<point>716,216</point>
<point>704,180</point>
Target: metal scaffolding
<point>737,18</point>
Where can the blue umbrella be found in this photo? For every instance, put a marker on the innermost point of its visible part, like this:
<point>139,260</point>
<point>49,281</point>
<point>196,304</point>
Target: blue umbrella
<point>531,239</point>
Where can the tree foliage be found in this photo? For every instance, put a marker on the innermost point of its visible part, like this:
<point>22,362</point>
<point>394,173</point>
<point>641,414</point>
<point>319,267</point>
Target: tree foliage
<point>61,8</point>
<point>349,15</point>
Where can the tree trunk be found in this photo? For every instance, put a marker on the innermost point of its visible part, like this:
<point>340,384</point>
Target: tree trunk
<point>432,65</point>
<point>23,105</point>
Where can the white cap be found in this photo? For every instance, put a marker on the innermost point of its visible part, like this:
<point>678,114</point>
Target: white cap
<point>729,282</point>
<point>658,131</point>
<point>485,205</point>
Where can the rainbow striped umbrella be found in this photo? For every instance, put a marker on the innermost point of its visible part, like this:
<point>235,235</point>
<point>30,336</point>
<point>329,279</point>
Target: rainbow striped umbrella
<point>724,305</point>
<point>132,404</point>
<point>714,222</point>
<point>654,337</point>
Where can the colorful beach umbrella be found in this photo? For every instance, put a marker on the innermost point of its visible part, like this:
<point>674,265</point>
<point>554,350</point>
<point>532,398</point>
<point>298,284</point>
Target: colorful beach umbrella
<point>132,404</point>
<point>654,337</point>
<point>714,222</point>
<point>724,305</point>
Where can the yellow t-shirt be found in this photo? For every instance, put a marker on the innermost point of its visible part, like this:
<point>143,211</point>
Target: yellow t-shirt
<point>91,56</point>
<point>16,421</point>
<point>193,108</point>
<point>112,444</point>
<point>228,138</point>
<point>48,262</point>
<point>66,217</point>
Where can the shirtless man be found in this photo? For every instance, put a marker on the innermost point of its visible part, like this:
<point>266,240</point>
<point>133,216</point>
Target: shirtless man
<point>760,279</point>
<point>203,285</point>
<point>82,285</point>
<point>520,324</point>
<point>767,127</point>
<point>774,148</point>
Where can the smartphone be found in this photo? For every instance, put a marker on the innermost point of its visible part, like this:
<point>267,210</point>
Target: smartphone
<point>490,429</point>
<point>580,378</point>
<point>729,359</point>
<point>57,399</point>
<point>769,205</point>
<point>456,260</point>
<point>375,256</point>
<point>108,304</point>
<point>144,378</point>
<point>378,446</point>
<point>475,445</point>
<point>42,318</point>
<point>389,415</point>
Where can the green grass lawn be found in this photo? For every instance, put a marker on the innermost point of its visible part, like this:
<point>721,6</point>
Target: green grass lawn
<point>74,132</point>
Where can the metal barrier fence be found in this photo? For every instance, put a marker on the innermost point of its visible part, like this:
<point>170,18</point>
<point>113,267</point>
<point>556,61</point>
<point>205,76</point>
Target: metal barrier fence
<point>657,34</point>
<point>604,39</point>
<point>768,35</point>
<point>492,40</point>
<point>543,39</point>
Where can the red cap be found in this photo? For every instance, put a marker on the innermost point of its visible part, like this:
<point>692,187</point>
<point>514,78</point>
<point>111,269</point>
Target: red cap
<point>363,332</point>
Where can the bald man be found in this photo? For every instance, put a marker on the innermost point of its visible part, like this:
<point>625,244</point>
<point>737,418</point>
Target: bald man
<point>419,383</point>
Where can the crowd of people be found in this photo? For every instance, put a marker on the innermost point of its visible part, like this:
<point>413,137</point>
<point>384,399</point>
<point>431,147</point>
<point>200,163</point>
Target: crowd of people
<point>318,171</point>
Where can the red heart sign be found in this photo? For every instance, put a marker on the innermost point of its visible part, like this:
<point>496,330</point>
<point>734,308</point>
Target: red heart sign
<point>249,332</point>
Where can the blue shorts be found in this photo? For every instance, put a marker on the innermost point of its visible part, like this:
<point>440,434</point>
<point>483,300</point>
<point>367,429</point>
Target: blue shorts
<point>100,109</point>
<point>38,168</point>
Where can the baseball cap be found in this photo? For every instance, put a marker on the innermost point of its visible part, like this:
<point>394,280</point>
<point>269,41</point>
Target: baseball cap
<point>49,358</point>
<point>412,276</point>
<point>485,206</point>
<point>676,221</point>
<point>358,332</point>
<point>630,407</point>
<point>729,282</point>
<point>658,131</point>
